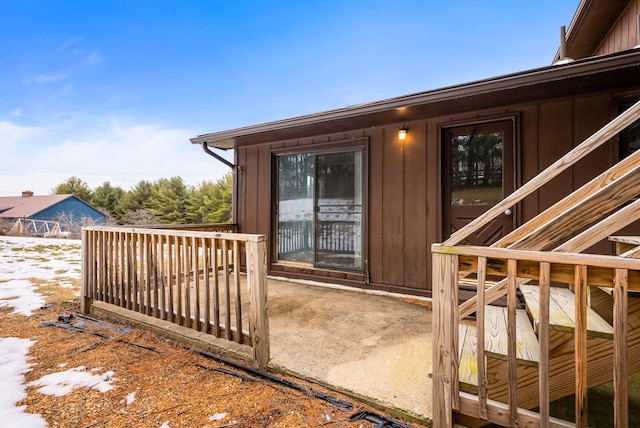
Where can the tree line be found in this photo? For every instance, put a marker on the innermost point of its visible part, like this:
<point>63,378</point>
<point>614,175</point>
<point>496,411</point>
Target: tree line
<point>164,201</point>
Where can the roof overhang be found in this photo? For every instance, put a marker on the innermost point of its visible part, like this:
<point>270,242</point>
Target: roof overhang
<point>617,71</point>
<point>589,26</point>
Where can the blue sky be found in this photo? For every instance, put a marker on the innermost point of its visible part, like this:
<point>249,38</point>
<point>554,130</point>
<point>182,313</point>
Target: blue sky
<point>113,90</point>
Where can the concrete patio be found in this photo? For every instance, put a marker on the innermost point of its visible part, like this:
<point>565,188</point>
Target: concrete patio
<point>374,346</point>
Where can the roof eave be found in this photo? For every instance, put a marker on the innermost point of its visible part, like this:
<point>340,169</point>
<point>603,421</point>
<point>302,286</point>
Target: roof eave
<point>229,139</point>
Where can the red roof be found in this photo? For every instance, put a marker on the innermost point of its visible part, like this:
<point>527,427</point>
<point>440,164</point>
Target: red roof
<point>26,206</point>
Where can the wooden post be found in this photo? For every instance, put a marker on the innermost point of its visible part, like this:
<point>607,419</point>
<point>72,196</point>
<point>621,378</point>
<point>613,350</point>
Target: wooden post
<point>543,336</point>
<point>87,257</point>
<point>445,339</point>
<point>580,287</point>
<point>620,329</point>
<point>257,292</point>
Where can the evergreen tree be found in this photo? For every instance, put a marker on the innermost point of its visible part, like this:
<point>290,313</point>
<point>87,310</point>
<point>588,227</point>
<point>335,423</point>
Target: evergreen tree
<point>169,200</point>
<point>136,198</point>
<point>210,202</point>
<point>108,198</point>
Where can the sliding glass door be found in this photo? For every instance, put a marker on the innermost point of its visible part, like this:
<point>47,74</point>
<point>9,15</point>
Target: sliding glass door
<point>320,209</point>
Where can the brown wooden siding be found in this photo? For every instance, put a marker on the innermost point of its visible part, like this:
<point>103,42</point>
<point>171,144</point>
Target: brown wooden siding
<point>404,180</point>
<point>624,33</point>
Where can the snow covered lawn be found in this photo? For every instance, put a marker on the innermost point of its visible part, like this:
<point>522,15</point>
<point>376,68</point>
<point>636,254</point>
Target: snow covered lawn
<point>30,268</point>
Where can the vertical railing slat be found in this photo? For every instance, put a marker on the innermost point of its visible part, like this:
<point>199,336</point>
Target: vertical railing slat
<point>148,274</point>
<point>216,288</point>
<point>170,275</point>
<point>123,269</point>
<point>580,290</point>
<point>195,253</point>
<point>227,294</point>
<point>155,263</point>
<point>163,280</point>
<point>480,322</point>
<point>186,271</point>
<point>512,271</point>
<point>543,338</point>
<point>141,272</point>
<point>236,282</point>
<point>620,327</point>
<point>206,267</point>
<point>179,277</point>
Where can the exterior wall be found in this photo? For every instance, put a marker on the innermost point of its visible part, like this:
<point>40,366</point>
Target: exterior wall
<point>404,182</point>
<point>71,206</point>
<point>624,33</point>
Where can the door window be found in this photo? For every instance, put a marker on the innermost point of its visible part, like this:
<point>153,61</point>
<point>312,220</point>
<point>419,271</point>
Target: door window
<point>478,172</point>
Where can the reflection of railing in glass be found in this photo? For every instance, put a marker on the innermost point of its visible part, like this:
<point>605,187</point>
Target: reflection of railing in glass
<point>338,243</point>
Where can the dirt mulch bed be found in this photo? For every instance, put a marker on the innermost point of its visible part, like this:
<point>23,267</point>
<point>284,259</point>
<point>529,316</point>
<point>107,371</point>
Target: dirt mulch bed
<point>172,385</point>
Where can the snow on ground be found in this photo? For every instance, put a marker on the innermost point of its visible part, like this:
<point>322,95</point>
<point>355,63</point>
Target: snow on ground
<point>25,259</point>
<point>25,263</point>
<point>13,363</point>
<point>62,383</point>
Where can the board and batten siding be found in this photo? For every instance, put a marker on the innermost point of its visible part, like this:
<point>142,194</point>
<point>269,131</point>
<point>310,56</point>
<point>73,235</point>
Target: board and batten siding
<point>624,33</point>
<point>404,209</point>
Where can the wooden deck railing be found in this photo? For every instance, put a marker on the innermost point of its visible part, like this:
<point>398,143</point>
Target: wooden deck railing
<point>601,207</point>
<point>187,275</point>
<point>544,268</point>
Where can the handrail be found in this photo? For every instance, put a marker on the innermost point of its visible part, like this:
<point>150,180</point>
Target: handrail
<point>587,146</point>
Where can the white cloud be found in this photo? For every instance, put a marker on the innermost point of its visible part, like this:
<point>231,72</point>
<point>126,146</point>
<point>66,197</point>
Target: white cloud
<point>94,57</point>
<point>69,44</point>
<point>45,78</point>
<point>14,136</point>
<point>99,150</point>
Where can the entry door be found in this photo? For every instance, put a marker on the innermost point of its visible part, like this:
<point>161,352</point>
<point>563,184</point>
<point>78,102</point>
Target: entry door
<point>478,169</point>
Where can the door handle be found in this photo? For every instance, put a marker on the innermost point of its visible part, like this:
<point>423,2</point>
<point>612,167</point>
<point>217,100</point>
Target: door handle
<point>507,211</point>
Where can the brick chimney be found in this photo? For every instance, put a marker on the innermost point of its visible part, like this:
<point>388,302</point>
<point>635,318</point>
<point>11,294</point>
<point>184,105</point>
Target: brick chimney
<point>27,193</point>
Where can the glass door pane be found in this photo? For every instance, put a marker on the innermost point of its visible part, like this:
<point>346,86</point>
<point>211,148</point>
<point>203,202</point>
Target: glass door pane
<point>339,210</point>
<point>295,207</point>
<point>476,169</point>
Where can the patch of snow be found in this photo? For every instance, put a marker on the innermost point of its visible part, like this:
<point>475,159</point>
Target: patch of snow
<point>218,417</point>
<point>131,397</point>
<point>165,425</point>
<point>24,258</point>
<point>13,363</point>
<point>62,383</point>
<point>20,294</point>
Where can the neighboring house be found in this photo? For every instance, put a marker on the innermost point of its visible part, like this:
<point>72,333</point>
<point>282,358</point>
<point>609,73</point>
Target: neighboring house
<point>342,198</point>
<point>39,215</point>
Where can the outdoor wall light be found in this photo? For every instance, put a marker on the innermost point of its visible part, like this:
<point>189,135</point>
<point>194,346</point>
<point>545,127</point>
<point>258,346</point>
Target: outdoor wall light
<point>402,133</point>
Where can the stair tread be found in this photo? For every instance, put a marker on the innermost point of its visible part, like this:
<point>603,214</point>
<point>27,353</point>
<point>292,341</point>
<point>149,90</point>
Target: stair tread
<point>527,345</point>
<point>562,311</point>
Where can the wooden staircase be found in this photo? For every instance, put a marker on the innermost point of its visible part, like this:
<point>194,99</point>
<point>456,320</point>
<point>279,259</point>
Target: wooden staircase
<point>561,346</point>
<point>580,325</point>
